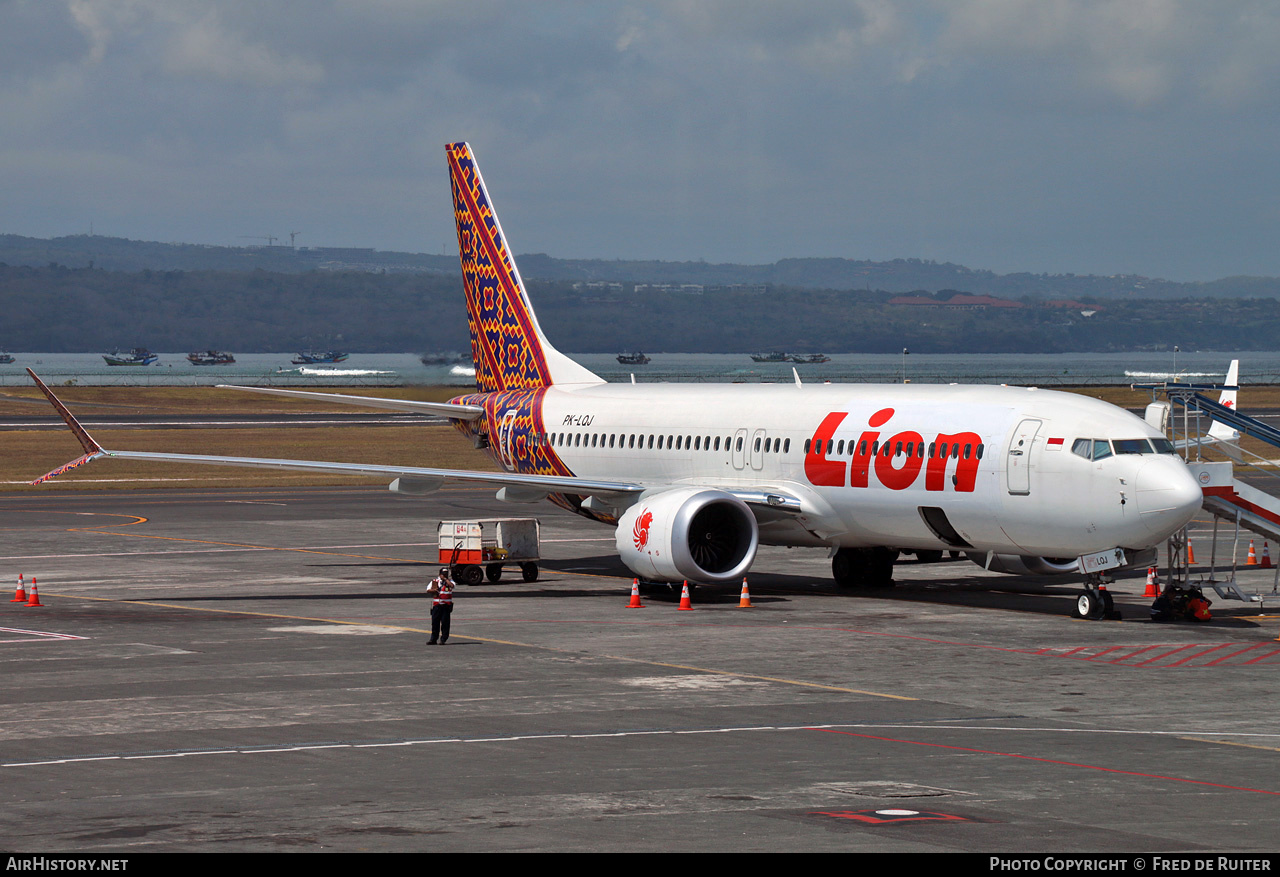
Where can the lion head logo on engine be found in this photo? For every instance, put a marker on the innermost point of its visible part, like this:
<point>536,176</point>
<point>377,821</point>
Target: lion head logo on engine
<point>640,531</point>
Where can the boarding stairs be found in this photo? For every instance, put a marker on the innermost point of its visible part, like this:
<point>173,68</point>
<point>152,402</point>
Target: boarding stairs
<point>1226,496</point>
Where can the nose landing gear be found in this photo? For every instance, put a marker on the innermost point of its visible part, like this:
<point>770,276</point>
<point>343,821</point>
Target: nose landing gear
<point>1096,603</point>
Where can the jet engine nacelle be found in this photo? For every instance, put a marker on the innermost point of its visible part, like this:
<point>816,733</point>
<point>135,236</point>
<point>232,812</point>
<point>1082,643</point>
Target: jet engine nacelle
<point>1026,564</point>
<point>692,533</point>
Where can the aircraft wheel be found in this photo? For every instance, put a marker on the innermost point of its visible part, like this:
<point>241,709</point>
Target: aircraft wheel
<point>849,567</point>
<point>529,571</point>
<point>493,572</point>
<point>1109,610</point>
<point>470,574</point>
<point>881,567</point>
<point>1089,606</point>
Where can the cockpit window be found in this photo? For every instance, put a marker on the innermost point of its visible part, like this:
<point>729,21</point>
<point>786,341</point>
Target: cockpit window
<point>1101,449</point>
<point>1083,448</point>
<point>1163,446</point>
<point>1131,446</point>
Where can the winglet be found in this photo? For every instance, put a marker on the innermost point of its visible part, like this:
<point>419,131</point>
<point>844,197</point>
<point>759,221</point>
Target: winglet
<point>92,449</point>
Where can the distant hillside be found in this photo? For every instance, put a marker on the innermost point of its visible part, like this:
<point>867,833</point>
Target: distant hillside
<point>898,275</point>
<point>59,309</point>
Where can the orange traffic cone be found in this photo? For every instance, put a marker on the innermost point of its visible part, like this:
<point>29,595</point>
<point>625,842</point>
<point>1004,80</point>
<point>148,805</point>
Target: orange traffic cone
<point>685,603</point>
<point>34,599</point>
<point>1266,556</point>
<point>21,595</point>
<point>744,601</point>
<point>1191,554</point>
<point>635,595</point>
<point>1252,559</point>
<point>1153,587</point>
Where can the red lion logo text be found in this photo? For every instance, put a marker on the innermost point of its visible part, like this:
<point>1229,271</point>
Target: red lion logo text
<point>640,532</point>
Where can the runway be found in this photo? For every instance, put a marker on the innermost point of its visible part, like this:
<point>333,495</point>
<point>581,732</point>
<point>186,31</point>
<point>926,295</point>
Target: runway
<point>246,671</point>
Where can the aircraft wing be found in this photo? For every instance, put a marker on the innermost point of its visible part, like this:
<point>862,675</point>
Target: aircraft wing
<point>440,409</point>
<point>421,478</point>
<point>514,486</point>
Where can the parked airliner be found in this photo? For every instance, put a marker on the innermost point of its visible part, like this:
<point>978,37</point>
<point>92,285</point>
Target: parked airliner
<point>695,477</point>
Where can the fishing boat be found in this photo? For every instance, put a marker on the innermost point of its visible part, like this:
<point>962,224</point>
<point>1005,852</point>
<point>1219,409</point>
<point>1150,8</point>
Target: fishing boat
<point>773,356</point>
<point>136,356</point>
<point>809,358</point>
<point>328,357</point>
<point>5,358</point>
<point>210,357</point>
<point>635,357</point>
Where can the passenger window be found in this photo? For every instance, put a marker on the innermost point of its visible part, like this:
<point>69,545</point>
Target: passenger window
<point>718,444</point>
<point>756,446</point>
<point>786,446</point>
<point>968,451</point>
<point>739,443</point>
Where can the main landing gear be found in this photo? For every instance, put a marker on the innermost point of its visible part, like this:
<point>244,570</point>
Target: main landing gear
<point>864,567</point>
<point>1096,603</point>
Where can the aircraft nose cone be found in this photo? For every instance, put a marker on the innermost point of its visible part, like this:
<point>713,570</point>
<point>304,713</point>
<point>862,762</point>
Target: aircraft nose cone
<point>1167,496</point>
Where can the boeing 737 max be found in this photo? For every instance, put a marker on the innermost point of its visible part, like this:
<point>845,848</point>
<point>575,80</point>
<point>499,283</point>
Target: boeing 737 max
<point>695,477</point>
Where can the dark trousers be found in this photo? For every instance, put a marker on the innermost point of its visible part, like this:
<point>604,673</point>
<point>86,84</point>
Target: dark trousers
<point>440,622</point>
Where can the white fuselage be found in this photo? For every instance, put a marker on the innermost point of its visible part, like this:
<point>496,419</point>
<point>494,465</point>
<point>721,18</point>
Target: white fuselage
<point>1009,483</point>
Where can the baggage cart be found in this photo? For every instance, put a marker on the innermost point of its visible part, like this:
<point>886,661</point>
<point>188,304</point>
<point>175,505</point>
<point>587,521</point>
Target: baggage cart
<point>481,548</point>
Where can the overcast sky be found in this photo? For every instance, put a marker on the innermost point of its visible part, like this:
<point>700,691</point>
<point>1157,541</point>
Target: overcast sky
<point>1131,136</point>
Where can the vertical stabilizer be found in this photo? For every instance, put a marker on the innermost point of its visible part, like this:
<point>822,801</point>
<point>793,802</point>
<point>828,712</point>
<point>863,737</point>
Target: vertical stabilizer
<point>508,348</point>
<point>1221,431</point>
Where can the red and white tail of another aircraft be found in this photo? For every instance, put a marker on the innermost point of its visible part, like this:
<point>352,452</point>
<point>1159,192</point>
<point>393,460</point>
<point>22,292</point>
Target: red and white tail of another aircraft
<point>693,478</point>
<point>1223,433</point>
<point>1221,436</point>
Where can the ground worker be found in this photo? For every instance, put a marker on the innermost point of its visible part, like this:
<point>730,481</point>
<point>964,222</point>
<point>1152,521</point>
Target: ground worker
<point>441,591</point>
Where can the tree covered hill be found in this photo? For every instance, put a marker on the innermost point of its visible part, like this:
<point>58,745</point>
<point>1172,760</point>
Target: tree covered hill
<point>61,309</point>
<point>897,275</point>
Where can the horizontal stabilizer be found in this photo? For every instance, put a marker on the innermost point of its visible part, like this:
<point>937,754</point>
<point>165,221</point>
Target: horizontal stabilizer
<point>439,409</point>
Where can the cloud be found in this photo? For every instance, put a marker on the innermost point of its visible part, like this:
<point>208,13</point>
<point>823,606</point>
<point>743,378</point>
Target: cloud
<point>204,47</point>
<point>968,130</point>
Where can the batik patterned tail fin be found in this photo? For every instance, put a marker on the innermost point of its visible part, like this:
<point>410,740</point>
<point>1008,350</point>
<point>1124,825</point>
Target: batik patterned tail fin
<point>507,346</point>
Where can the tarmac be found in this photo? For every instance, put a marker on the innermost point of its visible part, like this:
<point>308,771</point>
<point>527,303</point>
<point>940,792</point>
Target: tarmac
<point>248,671</point>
